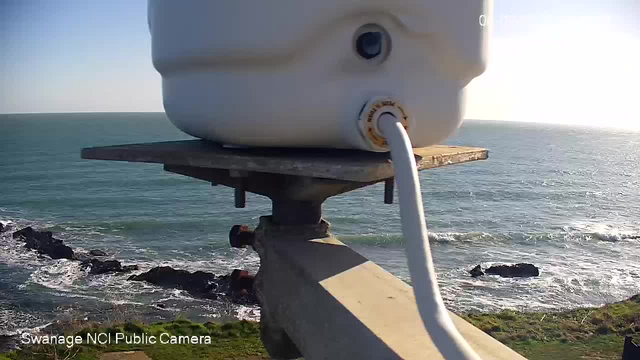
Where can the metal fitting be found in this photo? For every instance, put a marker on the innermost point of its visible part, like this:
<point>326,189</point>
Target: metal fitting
<point>368,120</point>
<point>240,236</point>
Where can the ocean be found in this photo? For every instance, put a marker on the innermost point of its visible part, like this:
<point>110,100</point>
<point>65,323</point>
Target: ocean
<point>566,199</point>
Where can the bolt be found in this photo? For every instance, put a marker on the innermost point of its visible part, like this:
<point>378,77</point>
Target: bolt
<point>388,191</point>
<point>240,196</point>
<point>240,236</point>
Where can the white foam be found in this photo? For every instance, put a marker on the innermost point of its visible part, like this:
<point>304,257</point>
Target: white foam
<point>460,236</point>
<point>218,264</point>
<point>7,224</point>
<point>223,310</point>
<point>20,331</point>
<point>604,232</point>
<point>13,253</point>
<point>59,275</point>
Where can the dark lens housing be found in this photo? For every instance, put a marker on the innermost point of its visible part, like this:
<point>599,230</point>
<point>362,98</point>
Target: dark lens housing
<point>369,45</point>
<point>372,43</point>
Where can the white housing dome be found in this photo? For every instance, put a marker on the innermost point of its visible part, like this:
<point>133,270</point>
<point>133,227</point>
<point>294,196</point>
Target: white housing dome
<point>297,73</point>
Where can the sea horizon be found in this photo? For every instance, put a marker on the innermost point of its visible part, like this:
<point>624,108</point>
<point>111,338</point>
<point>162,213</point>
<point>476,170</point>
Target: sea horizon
<point>553,122</point>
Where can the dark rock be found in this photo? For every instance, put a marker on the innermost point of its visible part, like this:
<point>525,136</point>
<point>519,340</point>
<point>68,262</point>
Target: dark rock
<point>161,305</point>
<point>199,283</point>
<point>103,267</point>
<point>240,279</point>
<point>476,271</point>
<point>631,351</point>
<point>129,268</point>
<point>44,243</point>
<point>238,285</point>
<point>9,343</point>
<point>108,266</point>
<point>517,270</point>
<point>83,258</point>
<point>97,253</point>
<point>23,232</point>
<point>241,287</point>
<point>1,228</point>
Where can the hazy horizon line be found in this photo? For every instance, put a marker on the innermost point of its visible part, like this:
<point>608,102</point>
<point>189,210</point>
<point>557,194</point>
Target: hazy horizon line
<point>603,126</point>
<point>81,112</point>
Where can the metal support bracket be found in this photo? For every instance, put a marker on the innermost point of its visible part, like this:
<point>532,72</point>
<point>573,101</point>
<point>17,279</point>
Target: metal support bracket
<point>295,199</point>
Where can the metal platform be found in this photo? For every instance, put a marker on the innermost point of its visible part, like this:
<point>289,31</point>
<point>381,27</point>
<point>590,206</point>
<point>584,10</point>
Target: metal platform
<point>318,297</point>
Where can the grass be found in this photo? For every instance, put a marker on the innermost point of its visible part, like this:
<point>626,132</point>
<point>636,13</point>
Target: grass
<point>237,340</point>
<point>590,334</point>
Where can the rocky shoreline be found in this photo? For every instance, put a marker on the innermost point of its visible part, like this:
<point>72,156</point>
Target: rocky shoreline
<point>236,287</point>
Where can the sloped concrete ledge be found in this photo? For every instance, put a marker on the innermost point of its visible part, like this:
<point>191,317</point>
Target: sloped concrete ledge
<point>333,303</point>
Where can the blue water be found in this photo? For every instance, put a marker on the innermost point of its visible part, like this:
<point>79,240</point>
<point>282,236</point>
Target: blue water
<point>566,199</point>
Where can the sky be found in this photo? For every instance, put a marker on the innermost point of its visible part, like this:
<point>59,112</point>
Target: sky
<point>563,61</point>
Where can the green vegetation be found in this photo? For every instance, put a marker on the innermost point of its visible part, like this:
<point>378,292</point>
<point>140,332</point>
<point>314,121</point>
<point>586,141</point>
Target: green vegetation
<point>237,340</point>
<point>590,333</point>
<point>594,333</point>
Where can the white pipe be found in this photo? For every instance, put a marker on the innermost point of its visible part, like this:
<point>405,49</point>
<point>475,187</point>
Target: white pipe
<point>423,276</point>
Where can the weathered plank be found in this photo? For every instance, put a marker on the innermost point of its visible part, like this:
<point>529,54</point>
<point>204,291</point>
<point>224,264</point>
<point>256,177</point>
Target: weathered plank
<point>349,165</point>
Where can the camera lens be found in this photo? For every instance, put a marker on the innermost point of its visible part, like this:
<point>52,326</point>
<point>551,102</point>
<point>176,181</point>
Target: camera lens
<point>372,42</point>
<point>369,45</point>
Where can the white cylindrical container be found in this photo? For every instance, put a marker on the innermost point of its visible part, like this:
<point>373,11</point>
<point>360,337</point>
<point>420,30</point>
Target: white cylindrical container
<point>297,73</point>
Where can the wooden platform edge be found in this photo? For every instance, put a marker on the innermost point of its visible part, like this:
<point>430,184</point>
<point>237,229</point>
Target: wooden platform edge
<point>355,166</point>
